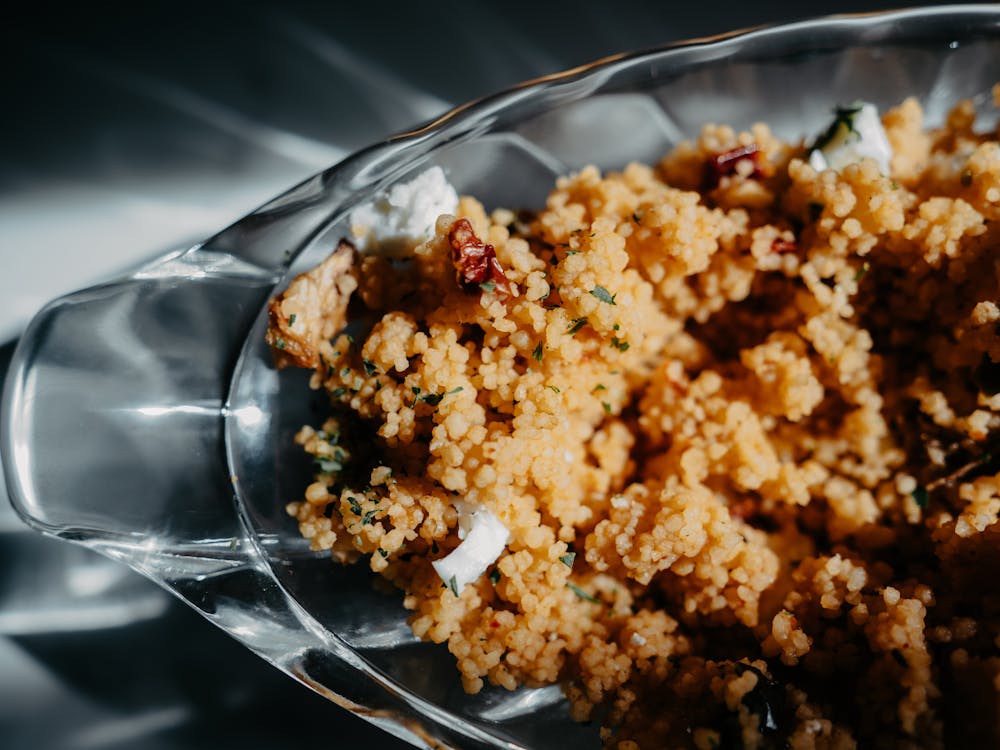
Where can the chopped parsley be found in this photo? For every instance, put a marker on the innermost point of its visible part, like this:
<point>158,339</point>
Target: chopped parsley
<point>279,343</point>
<point>453,585</point>
<point>291,320</point>
<point>370,368</point>
<point>920,497</point>
<point>383,552</point>
<point>575,325</point>
<point>554,388</point>
<point>567,559</point>
<point>865,268</point>
<point>538,353</point>
<point>355,505</point>
<point>599,387</point>
<point>603,295</point>
<point>488,286</point>
<point>338,392</point>
<point>433,399</point>
<point>328,465</point>
<point>607,407</point>
<point>582,594</point>
<point>495,576</point>
<point>619,344</point>
<point>367,517</point>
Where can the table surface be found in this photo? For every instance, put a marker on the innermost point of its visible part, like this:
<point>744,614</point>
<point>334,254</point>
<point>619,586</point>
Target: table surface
<point>129,133</point>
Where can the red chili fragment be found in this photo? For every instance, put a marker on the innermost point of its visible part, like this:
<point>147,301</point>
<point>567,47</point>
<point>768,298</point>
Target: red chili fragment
<point>784,246</point>
<point>726,163</point>
<point>475,261</point>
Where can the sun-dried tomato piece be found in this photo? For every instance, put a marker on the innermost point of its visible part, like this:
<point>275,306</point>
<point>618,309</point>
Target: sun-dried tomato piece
<point>726,163</point>
<point>784,246</point>
<point>475,261</point>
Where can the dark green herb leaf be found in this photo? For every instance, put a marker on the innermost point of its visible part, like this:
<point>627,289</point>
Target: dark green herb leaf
<point>865,268</point>
<point>599,387</point>
<point>576,325</point>
<point>383,552</point>
<point>619,344</point>
<point>567,559</point>
<point>453,585</point>
<point>328,465</point>
<point>367,517</point>
<point>279,343</point>
<point>607,407</point>
<point>488,286</point>
<point>291,320</point>
<point>603,295</point>
<point>338,392</point>
<point>553,388</point>
<point>539,352</point>
<point>582,594</point>
<point>355,505</point>
<point>370,368</point>
<point>495,576</point>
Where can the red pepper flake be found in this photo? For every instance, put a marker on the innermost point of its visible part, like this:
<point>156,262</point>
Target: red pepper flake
<point>726,163</point>
<point>476,262</point>
<point>494,624</point>
<point>784,246</point>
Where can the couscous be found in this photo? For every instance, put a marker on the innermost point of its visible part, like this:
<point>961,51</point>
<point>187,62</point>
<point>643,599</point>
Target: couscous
<point>712,443</point>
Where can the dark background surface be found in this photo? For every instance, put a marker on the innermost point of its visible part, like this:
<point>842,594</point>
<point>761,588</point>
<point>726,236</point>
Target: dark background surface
<point>129,132</point>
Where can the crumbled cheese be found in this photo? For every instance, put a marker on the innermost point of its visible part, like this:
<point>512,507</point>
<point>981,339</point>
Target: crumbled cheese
<point>855,134</point>
<point>484,538</point>
<point>405,215</point>
<point>638,640</point>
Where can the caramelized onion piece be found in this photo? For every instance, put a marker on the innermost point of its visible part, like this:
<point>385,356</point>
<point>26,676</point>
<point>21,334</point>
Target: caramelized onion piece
<point>312,309</point>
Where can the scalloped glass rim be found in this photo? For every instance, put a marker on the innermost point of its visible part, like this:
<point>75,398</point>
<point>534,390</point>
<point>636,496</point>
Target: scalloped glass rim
<point>379,166</point>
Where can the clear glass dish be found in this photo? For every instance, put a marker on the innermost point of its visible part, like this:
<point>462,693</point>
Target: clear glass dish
<point>144,418</point>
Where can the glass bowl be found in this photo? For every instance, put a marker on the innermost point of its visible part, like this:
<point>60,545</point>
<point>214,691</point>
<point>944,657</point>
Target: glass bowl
<point>145,419</point>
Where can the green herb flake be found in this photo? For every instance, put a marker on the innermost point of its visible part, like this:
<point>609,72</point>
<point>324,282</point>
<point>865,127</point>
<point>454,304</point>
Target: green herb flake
<point>279,343</point>
<point>370,368</point>
<point>367,517</point>
<point>571,252</point>
<point>538,353</point>
<point>488,286</point>
<point>338,392</point>
<point>607,407</point>
<point>637,218</point>
<point>291,320</point>
<point>453,585</point>
<point>575,325</point>
<point>920,497</point>
<point>495,576</point>
<point>355,505</point>
<point>328,465</point>
<point>865,268</point>
<point>431,399</point>
<point>345,372</point>
<point>553,388</point>
<point>383,552</point>
<point>567,559</point>
<point>583,594</point>
<point>599,387</point>
<point>603,295</point>
<point>619,344</point>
